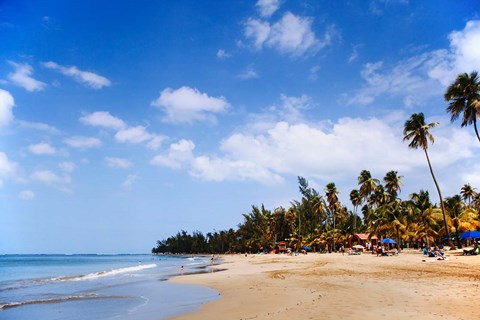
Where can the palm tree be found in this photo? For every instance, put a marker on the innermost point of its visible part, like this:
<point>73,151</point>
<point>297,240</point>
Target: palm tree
<point>367,186</point>
<point>468,193</point>
<point>393,183</point>
<point>425,212</point>
<point>455,208</point>
<point>331,193</point>
<point>356,201</point>
<point>418,132</point>
<point>464,98</point>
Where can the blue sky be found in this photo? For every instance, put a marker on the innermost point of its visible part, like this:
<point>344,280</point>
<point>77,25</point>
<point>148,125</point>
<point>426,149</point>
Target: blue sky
<point>121,124</point>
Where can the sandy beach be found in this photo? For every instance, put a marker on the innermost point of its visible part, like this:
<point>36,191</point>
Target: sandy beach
<point>336,286</point>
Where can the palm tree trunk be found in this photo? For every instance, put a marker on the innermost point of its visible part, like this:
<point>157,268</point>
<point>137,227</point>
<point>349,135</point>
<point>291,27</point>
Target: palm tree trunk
<point>475,127</point>
<point>450,243</point>
<point>426,236</point>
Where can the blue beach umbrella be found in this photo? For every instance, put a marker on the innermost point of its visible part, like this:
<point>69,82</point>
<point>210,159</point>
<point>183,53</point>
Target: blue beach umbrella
<point>470,234</point>
<point>388,240</point>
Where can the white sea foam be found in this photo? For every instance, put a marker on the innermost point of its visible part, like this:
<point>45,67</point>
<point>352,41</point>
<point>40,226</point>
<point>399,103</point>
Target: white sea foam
<point>107,273</point>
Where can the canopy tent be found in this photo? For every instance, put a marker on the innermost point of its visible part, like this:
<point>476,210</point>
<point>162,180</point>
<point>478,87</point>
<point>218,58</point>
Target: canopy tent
<point>388,240</point>
<point>470,234</point>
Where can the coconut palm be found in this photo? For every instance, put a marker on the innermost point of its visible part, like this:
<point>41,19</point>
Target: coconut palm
<point>455,208</point>
<point>393,183</point>
<point>331,193</point>
<point>367,186</point>
<point>356,201</point>
<point>425,212</point>
<point>416,130</point>
<point>468,193</point>
<point>464,98</point>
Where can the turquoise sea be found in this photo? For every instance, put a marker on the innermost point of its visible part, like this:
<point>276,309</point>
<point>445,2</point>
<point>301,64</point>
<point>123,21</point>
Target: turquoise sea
<point>80,287</point>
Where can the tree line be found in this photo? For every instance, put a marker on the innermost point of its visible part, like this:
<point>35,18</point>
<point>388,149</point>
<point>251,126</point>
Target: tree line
<point>320,221</point>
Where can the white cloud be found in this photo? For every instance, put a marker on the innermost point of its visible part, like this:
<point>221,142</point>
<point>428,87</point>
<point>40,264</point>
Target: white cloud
<point>188,105</point>
<point>462,56</point>
<point>103,119</point>
<point>26,195</point>
<point>336,152</point>
<point>45,176</point>
<point>178,154</point>
<point>155,142</point>
<point>416,79</point>
<point>129,181</point>
<point>267,7</point>
<point>38,126</point>
<point>218,169</point>
<point>314,73</point>
<point>248,73</point>
<point>22,77</point>
<point>41,148</point>
<point>87,78</point>
<point>80,142</point>
<point>7,167</point>
<point>258,31</point>
<point>291,34</point>
<point>134,135</point>
<point>407,80</point>
<point>6,106</point>
<point>292,107</point>
<point>354,54</point>
<point>222,54</point>
<point>139,134</point>
<point>67,166</point>
<point>117,162</point>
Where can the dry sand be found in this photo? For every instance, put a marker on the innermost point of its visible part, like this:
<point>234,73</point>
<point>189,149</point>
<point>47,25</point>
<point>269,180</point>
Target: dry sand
<point>336,286</point>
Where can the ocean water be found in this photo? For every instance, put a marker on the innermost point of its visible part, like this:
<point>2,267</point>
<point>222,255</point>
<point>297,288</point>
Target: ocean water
<point>80,287</point>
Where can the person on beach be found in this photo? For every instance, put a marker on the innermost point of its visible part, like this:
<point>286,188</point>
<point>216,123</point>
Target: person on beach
<point>211,260</point>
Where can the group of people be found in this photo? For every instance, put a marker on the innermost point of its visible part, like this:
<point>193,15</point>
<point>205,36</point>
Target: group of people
<point>381,251</point>
<point>434,253</point>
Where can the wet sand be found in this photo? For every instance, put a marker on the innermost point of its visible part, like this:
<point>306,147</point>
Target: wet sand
<point>336,286</point>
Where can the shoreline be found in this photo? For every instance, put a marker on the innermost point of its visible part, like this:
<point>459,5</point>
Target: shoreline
<point>332,286</point>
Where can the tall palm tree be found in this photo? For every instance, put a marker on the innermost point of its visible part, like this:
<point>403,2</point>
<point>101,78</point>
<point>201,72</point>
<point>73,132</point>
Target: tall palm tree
<point>367,186</point>
<point>464,98</point>
<point>455,208</point>
<point>356,201</point>
<point>393,183</point>
<point>416,130</point>
<point>425,212</point>
<point>331,193</point>
<point>468,193</point>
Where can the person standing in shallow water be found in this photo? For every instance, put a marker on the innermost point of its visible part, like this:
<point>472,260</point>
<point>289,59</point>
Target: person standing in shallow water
<point>211,260</point>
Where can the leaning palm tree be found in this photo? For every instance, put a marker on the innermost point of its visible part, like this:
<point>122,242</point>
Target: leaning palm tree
<point>418,132</point>
<point>464,98</point>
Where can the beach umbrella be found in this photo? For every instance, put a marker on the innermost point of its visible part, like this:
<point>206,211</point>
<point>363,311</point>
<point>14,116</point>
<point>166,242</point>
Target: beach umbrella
<point>470,234</point>
<point>388,240</point>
